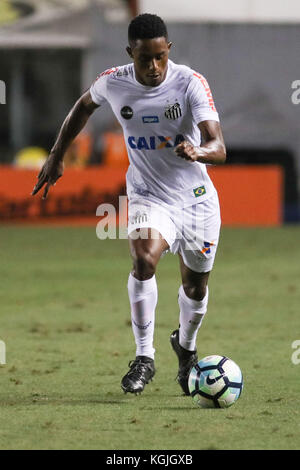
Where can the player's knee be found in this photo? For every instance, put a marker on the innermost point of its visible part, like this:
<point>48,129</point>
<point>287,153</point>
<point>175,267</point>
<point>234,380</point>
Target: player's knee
<point>195,291</point>
<point>144,265</point>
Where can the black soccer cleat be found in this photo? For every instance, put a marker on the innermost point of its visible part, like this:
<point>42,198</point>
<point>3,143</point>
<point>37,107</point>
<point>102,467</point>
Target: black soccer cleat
<point>141,371</point>
<point>186,360</point>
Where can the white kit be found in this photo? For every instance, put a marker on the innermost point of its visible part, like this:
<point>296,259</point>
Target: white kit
<point>154,121</point>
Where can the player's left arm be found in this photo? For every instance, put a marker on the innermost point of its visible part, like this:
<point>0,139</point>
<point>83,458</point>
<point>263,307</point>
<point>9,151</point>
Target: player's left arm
<point>212,149</point>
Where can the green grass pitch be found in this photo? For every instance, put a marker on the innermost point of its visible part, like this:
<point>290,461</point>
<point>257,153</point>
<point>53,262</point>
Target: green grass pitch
<point>64,316</point>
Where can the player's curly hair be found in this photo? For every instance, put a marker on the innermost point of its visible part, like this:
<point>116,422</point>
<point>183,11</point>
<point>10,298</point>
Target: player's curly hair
<point>147,26</point>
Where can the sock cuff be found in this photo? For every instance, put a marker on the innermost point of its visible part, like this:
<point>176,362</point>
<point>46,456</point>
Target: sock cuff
<point>141,287</point>
<point>196,305</point>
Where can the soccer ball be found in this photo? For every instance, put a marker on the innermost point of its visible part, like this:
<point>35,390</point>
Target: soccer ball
<point>215,382</point>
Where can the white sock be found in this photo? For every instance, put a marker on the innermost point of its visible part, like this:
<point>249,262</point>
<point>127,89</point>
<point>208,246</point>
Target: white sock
<point>143,300</point>
<point>190,318</point>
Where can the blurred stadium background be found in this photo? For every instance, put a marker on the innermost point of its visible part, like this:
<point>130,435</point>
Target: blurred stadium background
<point>51,51</point>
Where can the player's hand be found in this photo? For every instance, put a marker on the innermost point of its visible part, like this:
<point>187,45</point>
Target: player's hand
<point>49,174</point>
<point>187,151</point>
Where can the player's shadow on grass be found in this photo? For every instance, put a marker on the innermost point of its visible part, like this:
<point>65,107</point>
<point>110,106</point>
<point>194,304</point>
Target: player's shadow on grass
<point>38,399</point>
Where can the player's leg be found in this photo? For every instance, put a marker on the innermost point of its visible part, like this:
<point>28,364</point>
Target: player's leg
<point>192,300</point>
<point>142,290</point>
<point>146,251</point>
<point>197,253</point>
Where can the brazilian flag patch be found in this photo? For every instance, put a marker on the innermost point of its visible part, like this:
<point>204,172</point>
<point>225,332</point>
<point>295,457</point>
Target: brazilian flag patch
<point>199,191</point>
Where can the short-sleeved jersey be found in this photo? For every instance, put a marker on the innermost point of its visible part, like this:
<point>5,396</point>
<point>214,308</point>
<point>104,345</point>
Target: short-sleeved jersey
<point>154,121</point>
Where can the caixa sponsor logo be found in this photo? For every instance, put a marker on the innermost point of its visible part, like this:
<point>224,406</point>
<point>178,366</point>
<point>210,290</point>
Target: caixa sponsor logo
<point>154,142</point>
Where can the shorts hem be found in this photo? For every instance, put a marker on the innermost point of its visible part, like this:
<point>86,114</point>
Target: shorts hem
<point>153,226</point>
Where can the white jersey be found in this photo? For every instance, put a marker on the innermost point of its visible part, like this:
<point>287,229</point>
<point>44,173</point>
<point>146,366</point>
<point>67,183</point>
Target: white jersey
<point>154,121</point>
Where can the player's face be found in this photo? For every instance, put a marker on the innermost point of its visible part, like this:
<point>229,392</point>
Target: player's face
<point>150,57</point>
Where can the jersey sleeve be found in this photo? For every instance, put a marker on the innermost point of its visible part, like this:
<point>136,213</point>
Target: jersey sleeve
<point>98,89</point>
<point>201,100</point>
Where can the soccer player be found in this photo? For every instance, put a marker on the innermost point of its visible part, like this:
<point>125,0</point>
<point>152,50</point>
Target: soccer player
<point>172,130</point>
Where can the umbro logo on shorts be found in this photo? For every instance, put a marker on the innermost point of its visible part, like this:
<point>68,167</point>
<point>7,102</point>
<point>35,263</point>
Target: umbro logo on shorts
<point>206,249</point>
<point>173,111</point>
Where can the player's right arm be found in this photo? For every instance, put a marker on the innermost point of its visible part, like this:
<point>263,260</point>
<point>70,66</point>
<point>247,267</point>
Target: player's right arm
<point>72,125</point>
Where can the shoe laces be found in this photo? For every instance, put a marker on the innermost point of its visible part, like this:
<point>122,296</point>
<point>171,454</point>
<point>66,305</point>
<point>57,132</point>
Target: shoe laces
<point>137,367</point>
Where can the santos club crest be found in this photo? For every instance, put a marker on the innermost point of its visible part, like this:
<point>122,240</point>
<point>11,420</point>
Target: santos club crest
<point>173,111</point>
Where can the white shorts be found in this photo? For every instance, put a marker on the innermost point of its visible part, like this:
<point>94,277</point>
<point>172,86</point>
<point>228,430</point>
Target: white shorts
<point>193,232</point>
